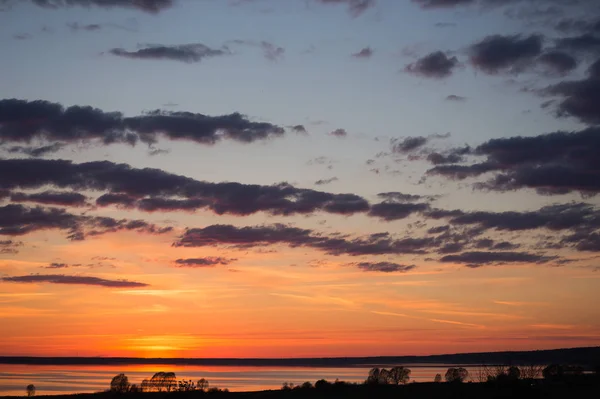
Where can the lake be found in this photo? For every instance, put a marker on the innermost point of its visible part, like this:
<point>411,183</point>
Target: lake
<point>54,380</point>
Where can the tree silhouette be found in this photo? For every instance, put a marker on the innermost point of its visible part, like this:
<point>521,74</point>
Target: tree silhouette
<point>119,383</point>
<point>202,384</point>
<point>163,381</point>
<point>438,378</point>
<point>399,375</point>
<point>30,389</point>
<point>513,373</point>
<point>456,374</point>
<point>374,375</point>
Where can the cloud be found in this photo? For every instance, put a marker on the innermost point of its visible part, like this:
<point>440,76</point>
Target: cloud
<point>560,63</point>
<point>74,26</point>
<point>573,225</point>
<point>553,163</point>
<point>442,3</point>
<point>189,53</point>
<point>366,52</point>
<point>152,188</point>
<point>581,98</point>
<point>73,280</point>
<point>389,211</point>
<point>476,259</point>
<point>513,54</point>
<point>151,6</point>
<point>24,121</point>
<point>384,267</point>
<point>453,97</point>
<point>57,266</point>
<point>17,220</point>
<point>204,262</point>
<point>22,36</point>
<point>279,234</point>
<point>36,152</point>
<point>10,246</point>
<point>583,44</point>
<point>51,198</point>
<point>454,155</point>
<point>299,129</point>
<point>270,51</point>
<point>326,181</point>
<point>396,196</point>
<point>340,133</point>
<point>408,144</point>
<point>435,65</point>
<point>355,7</point>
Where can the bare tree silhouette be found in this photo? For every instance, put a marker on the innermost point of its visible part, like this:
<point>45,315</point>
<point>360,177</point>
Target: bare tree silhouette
<point>119,383</point>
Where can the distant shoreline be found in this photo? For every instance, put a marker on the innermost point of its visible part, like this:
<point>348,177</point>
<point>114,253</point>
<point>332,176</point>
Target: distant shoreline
<point>581,356</point>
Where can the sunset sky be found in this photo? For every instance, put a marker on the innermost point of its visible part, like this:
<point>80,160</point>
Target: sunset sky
<point>298,178</point>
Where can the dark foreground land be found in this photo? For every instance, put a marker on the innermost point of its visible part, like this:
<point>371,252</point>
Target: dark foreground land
<point>585,387</point>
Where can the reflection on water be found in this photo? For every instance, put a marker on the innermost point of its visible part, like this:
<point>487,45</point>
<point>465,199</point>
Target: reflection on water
<point>53,380</point>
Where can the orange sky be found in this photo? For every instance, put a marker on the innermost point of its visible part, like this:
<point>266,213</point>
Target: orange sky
<point>289,303</point>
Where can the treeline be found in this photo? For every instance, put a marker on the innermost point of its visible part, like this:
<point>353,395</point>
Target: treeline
<point>161,382</point>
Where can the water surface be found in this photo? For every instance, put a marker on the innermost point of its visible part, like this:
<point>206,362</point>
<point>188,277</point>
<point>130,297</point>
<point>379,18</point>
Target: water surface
<point>63,379</point>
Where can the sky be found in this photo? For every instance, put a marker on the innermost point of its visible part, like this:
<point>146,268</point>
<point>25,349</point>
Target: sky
<point>298,178</point>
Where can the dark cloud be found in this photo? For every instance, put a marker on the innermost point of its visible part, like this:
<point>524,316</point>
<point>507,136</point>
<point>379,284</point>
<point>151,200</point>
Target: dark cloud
<point>384,267</point>
<point>442,3</point>
<point>75,280</point>
<point>366,52</point>
<point>189,53</point>
<point>451,248</point>
<point>580,99</point>
<point>74,26</point>
<point>594,70</point>
<point>36,151</point>
<point>299,129</point>
<point>460,172</point>
<point>204,262</point>
<point>341,133</point>
<point>559,62</point>
<point>57,266</point>
<point>154,188</point>
<point>17,220</point>
<point>24,121</point>
<point>326,181</point>
<point>554,163</point>
<point>481,258</point>
<point>396,196</point>
<point>408,144</point>
<point>51,198</point>
<point>454,155</point>
<point>454,97</point>
<point>551,217</point>
<point>573,225</point>
<point>151,6</point>
<point>279,234</point>
<point>10,246</point>
<point>497,53</point>
<point>583,44</point>
<point>435,65</point>
<point>356,7</point>
<point>122,200</point>
<point>394,211</point>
